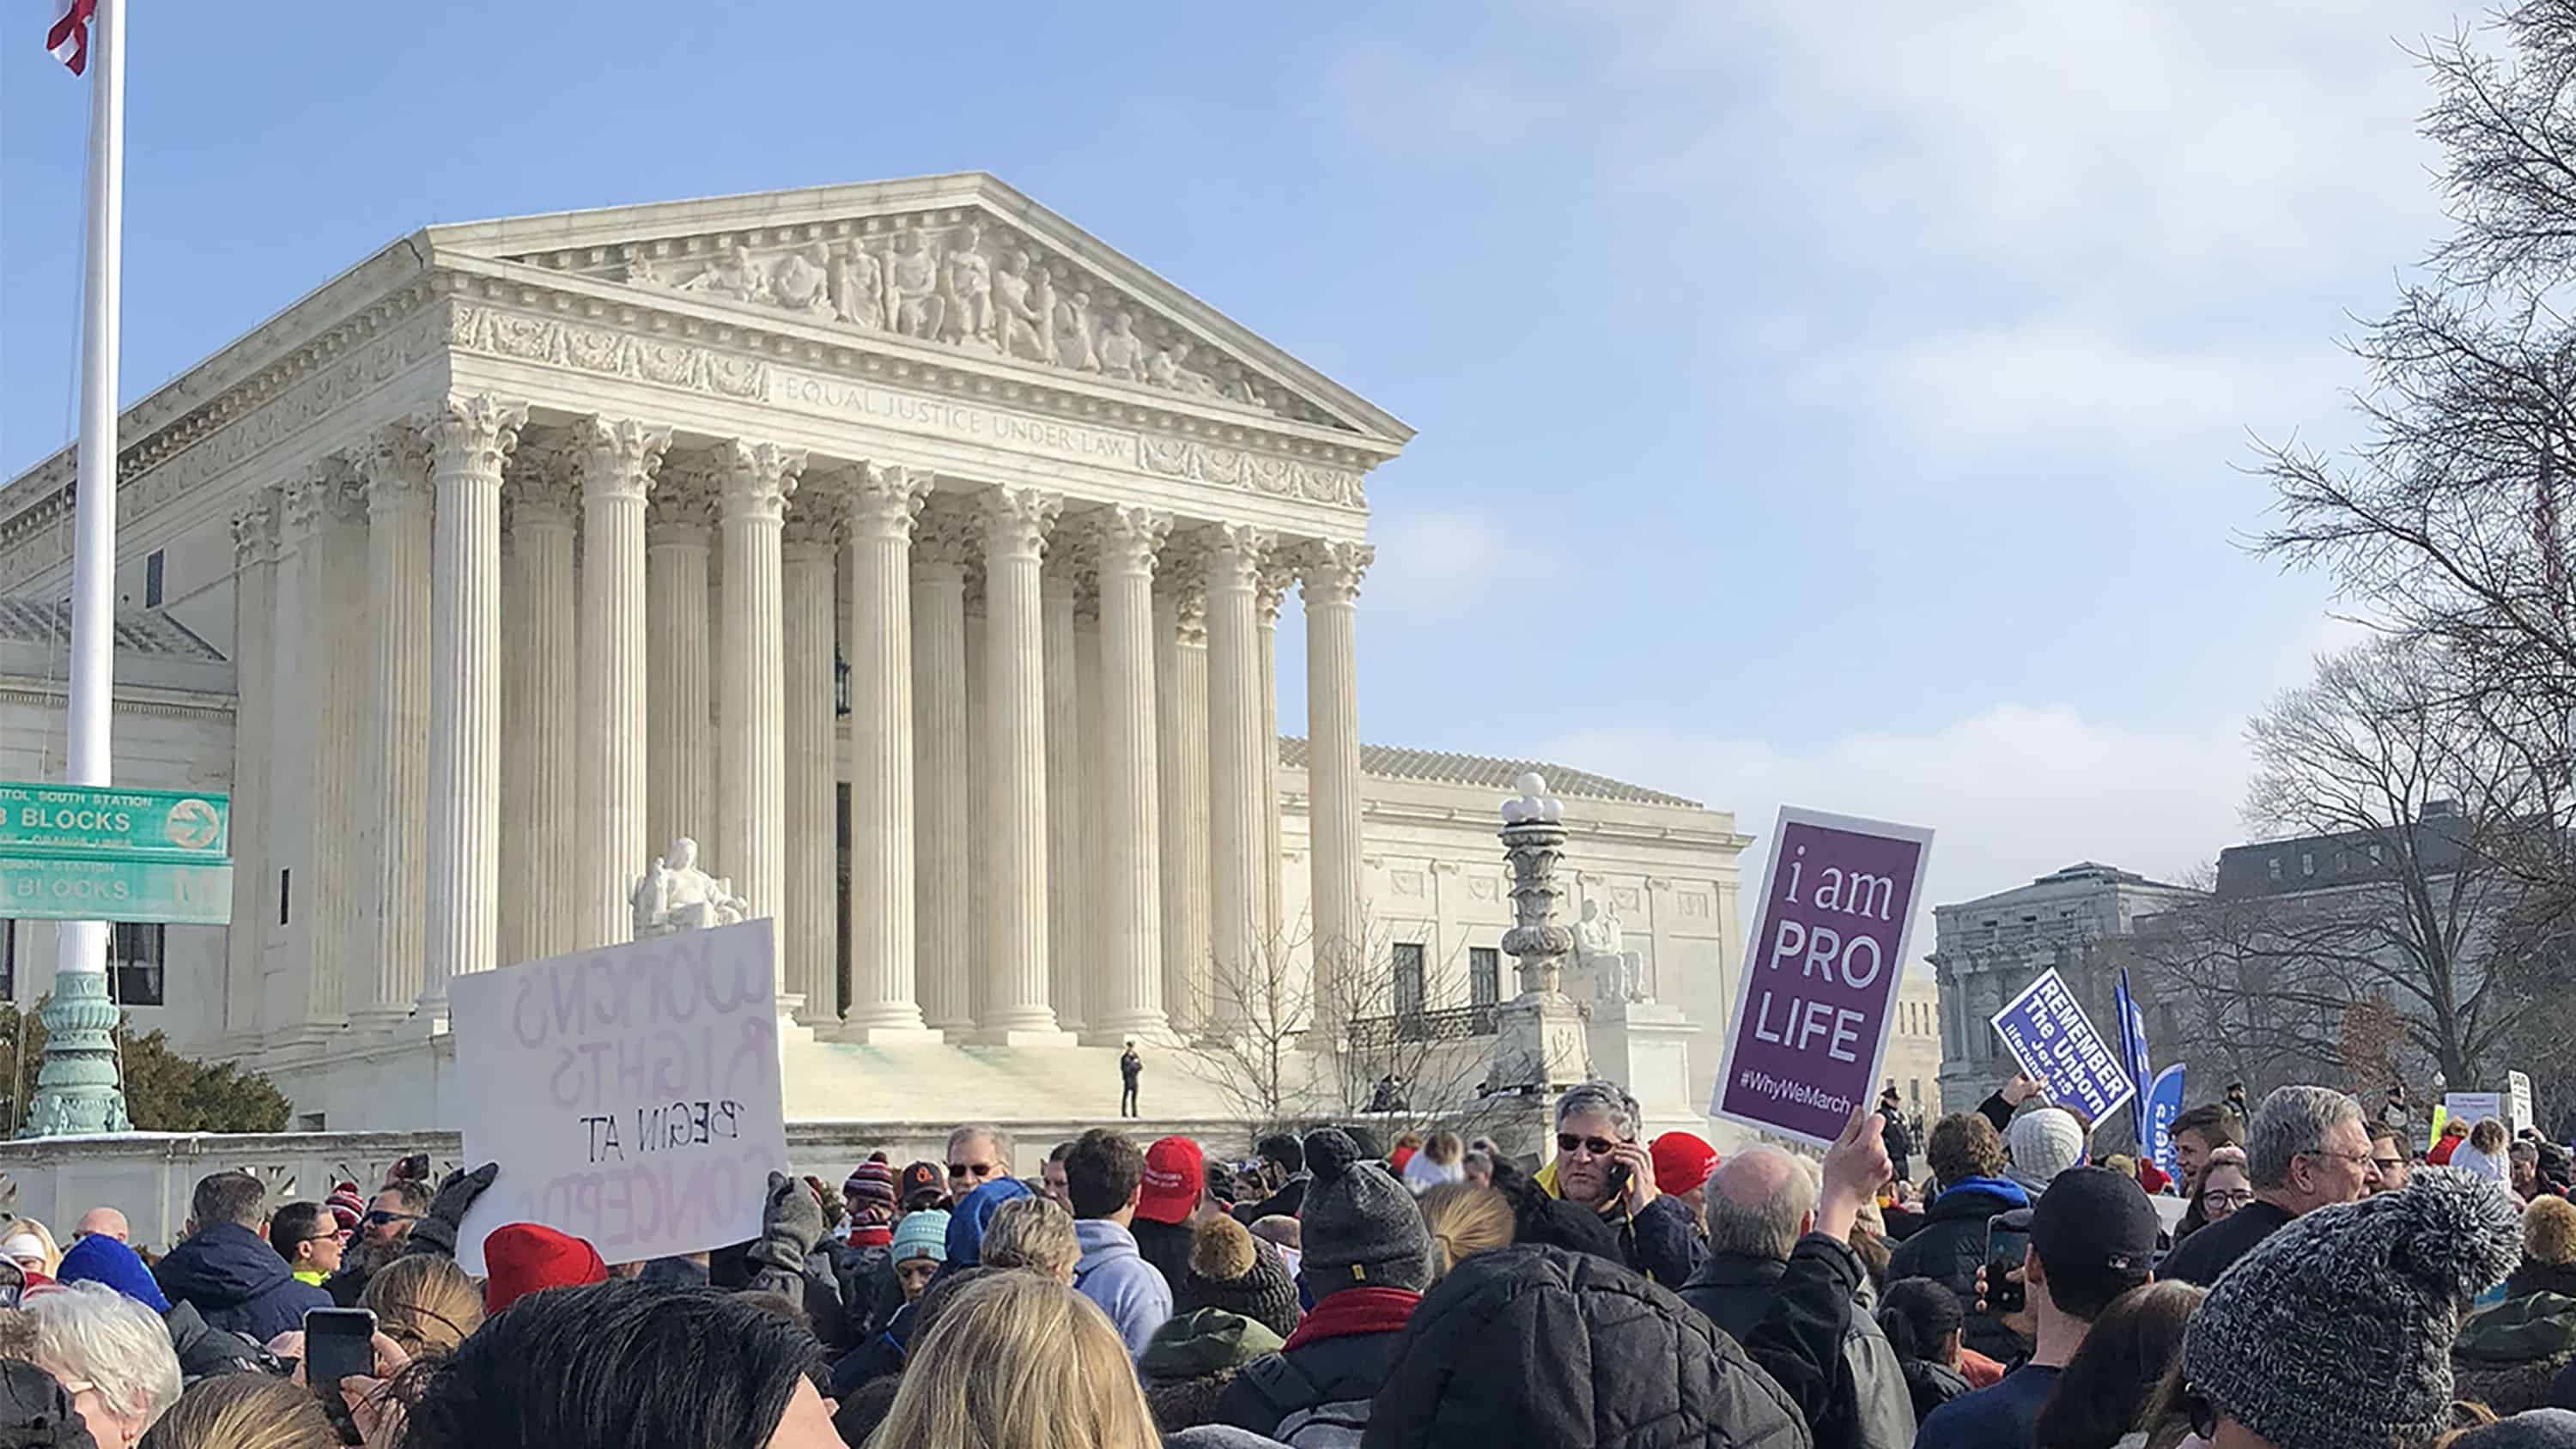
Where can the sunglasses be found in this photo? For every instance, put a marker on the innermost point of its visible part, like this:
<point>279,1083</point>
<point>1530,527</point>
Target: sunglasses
<point>972,1169</point>
<point>1596,1146</point>
<point>378,1217</point>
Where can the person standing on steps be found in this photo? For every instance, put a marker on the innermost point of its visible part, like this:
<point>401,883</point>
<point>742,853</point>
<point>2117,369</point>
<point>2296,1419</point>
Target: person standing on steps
<point>1130,1067</point>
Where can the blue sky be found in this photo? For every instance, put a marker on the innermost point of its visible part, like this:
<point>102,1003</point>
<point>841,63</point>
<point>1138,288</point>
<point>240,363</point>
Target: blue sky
<point>1841,404</point>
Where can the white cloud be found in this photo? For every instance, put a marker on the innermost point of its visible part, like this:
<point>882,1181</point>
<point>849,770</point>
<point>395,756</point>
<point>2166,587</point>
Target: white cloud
<point>2011,793</point>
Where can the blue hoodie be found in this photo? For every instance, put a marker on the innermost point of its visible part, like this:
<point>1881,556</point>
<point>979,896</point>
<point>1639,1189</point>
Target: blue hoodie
<point>1112,1274</point>
<point>238,1283</point>
<point>974,1213</point>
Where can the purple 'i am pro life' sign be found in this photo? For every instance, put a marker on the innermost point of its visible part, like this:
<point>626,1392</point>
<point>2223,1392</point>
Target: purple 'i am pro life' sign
<point>1821,968</point>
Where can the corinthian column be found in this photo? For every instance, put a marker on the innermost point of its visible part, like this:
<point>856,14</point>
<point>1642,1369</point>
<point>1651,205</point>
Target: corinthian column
<point>679,691</point>
<point>254,820</point>
<point>618,460</point>
<point>1131,856</point>
<point>1181,760</point>
<point>540,851</point>
<point>1236,829</point>
<point>751,819</point>
<point>1067,952</point>
<point>471,435</point>
<point>943,928</point>
<point>809,555</point>
<point>1016,1010</point>
<point>1277,576</point>
<point>396,470</point>
<point>1331,574</point>
<point>885,900</point>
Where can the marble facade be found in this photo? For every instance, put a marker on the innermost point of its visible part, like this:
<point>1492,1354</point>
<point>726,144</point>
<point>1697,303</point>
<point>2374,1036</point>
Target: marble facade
<point>912,551</point>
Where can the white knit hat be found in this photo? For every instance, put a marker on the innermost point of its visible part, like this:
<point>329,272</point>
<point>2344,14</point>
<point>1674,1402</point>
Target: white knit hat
<point>2044,1142</point>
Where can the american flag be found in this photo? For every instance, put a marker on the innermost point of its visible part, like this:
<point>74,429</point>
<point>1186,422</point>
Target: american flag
<point>68,39</point>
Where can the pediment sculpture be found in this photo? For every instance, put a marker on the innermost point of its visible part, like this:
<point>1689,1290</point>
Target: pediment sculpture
<point>952,279</point>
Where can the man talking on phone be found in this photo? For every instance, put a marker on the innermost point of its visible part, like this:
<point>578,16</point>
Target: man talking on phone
<point>1601,1165</point>
<point>2091,1238</point>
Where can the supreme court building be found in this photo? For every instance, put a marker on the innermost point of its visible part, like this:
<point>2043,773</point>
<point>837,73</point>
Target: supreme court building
<point>909,549</point>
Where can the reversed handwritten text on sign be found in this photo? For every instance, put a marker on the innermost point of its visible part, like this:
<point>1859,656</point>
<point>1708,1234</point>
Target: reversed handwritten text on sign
<point>630,1094</point>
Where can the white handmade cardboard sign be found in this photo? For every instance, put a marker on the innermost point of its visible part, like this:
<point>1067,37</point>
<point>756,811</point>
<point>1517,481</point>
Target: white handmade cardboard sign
<point>630,1094</point>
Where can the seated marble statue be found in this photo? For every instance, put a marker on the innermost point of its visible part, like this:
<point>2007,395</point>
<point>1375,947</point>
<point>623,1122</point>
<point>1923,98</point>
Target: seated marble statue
<point>677,896</point>
<point>1601,948</point>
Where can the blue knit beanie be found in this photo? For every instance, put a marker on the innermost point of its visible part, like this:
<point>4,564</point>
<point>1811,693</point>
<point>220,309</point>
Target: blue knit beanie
<point>974,1214</point>
<point>922,1235</point>
<point>99,1258</point>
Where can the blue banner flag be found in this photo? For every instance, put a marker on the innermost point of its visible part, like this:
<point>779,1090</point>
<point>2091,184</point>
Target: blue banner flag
<point>2164,1104</point>
<point>2133,1057</point>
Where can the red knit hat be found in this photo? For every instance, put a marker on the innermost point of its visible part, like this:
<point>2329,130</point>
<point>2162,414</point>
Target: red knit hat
<point>1682,1162</point>
<point>522,1258</point>
<point>1175,1179</point>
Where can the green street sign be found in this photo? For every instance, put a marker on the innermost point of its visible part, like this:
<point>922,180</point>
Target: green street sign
<point>104,888</point>
<point>166,825</point>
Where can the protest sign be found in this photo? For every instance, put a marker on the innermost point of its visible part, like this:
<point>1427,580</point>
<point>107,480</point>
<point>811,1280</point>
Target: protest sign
<point>2517,1100</point>
<point>630,1094</point>
<point>2470,1108</point>
<point>2164,1104</point>
<point>2048,1033</point>
<point>1821,968</point>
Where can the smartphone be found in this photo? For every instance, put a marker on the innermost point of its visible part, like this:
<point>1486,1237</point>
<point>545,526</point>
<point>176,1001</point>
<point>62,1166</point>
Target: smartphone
<point>338,1343</point>
<point>2007,1245</point>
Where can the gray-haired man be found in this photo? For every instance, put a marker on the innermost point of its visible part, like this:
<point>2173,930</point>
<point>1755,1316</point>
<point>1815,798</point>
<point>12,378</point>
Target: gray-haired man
<point>1601,1165</point>
<point>2306,1149</point>
<point>1760,1203</point>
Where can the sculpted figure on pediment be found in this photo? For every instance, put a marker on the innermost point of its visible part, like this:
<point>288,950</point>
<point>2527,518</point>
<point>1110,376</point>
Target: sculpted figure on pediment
<point>858,287</point>
<point>733,275</point>
<point>1170,368</point>
<point>1239,386</point>
<point>643,272</point>
<point>912,287</point>
<point>966,291</point>
<point>1122,352</point>
<point>1023,321</point>
<point>1073,341</point>
<point>803,282</point>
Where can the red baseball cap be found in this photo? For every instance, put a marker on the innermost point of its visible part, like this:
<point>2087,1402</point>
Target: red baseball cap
<point>1682,1162</point>
<point>1175,1180</point>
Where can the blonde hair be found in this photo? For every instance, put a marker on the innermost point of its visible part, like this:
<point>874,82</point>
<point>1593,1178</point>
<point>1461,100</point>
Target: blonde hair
<point>425,1303</point>
<point>1035,1233</point>
<point>36,1230</point>
<point>1464,1218</point>
<point>243,1411</point>
<point>1017,1361</point>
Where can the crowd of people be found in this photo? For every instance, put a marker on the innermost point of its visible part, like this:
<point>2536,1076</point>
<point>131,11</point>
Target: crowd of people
<point>2314,1283</point>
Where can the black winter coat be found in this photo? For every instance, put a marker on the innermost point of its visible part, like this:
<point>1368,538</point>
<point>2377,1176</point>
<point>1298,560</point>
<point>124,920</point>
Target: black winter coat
<point>1536,1345</point>
<point>1949,1249</point>
<point>1327,1371</point>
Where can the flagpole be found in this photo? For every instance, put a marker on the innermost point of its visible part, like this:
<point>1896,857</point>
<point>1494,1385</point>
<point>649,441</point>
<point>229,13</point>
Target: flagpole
<point>77,1090</point>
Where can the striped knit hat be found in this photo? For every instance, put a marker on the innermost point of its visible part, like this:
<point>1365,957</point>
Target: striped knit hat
<point>871,1187</point>
<point>347,1208</point>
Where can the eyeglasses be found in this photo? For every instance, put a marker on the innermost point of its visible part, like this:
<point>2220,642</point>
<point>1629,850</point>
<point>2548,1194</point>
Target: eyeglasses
<point>2233,1197</point>
<point>2358,1159</point>
<point>1594,1146</point>
<point>2388,1164</point>
<point>378,1217</point>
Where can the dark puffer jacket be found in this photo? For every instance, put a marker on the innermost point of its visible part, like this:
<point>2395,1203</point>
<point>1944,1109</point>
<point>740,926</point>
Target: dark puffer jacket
<point>238,1283</point>
<point>1949,1249</point>
<point>1535,1345</point>
<point>1340,1353</point>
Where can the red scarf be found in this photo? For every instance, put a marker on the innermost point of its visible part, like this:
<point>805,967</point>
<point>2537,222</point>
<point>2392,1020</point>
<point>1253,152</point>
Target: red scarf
<point>863,1236</point>
<point>1354,1311</point>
